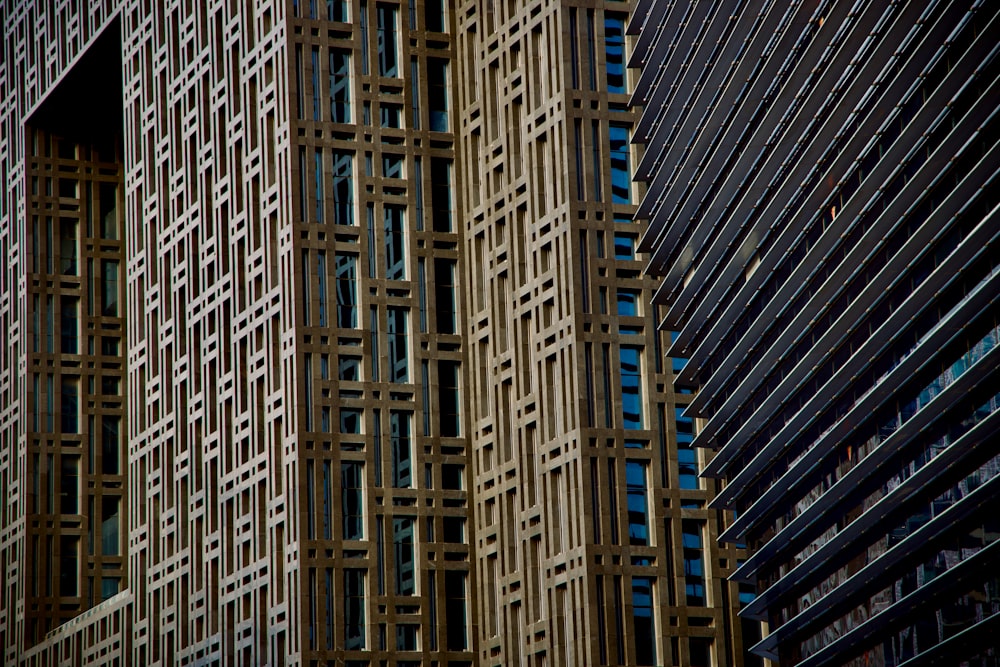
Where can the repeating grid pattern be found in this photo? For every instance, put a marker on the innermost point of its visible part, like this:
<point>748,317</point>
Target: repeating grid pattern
<point>383,487</point>
<point>594,542</point>
<point>331,216</point>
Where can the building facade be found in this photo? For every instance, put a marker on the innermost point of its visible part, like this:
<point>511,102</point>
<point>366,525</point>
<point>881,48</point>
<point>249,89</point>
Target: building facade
<point>327,340</point>
<point>823,203</point>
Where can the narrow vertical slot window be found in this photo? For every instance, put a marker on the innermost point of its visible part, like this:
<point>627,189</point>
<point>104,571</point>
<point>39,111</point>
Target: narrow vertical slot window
<point>644,620</point>
<point>595,143</point>
<point>456,613</point>
<point>352,499</point>
<point>385,17</point>
<point>69,247</point>
<point>399,434</point>
<point>422,293</point>
<point>621,176</point>
<point>340,85</point>
<point>631,374</point>
<point>343,188</point>
<point>448,398</point>
<point>354,610</point>
<point>395,242</point>
<point>70,324</point>
<point>441,198</point>
<point>70,404</point>
<point>318,184</point>
<point>437,93</point>
<point>614,50</point>
<point>397,331</point>
<point>694,566</point>
<point>445,296</point>
<point>108,210</point>
<point>347,301</point>
<point>638,503</point>
<point>109,287</point>
<point>321,285</point>
<point>687,457</point>
<point>110,524</point>
<point>403,553</point>
<point>315,84</point>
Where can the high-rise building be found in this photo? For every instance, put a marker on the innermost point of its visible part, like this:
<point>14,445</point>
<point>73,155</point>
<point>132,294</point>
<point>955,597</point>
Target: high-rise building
<point>326,340</point>
<point>822,196</point>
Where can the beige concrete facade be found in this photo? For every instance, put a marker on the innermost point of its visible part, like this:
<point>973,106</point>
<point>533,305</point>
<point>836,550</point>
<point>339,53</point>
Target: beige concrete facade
<point>387,385</point>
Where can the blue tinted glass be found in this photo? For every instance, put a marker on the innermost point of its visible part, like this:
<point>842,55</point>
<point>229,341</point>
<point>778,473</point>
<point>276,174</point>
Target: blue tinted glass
<point>624,246</point>
<point>628,302</point>
<point>638,508</point>
<point>644,621</point>
<point>614,43</point>
<point>631,387</point>
<point>621,176</point>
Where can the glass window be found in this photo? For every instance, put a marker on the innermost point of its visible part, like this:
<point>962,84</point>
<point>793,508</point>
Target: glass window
<point>340,85</point>
<point>624,246</point>
<point>621,174</point>
<point>452,475</point>
<point>351,420</point>
<point>318,184</point>
<point>638,505</point>
<point>69,254</point>
<point>109,287</point>
<point>110,542</point>
<point>448,398</point>
<point>402,541</point>
<point>354,609</point>
<point>437,93</point>
<point>455,584</point>
<point>390,114</point>
<point>395,242</point>
<point>614,44</point>
<point>628,302</point>
<point>644,620</point>
<point>392,165</point>
<point>407,637</point>
<point>110,587</point>
<point>337,10</point>
<point>399,434</point>
<point>454,529</point>
<point>694,567</point>
<point>69,565</point>
<point>108,208</point>
<point>415,91</point>
<point>687,457</point>
<point>434,16</point>
<point>110,444</point>
<point>441,194</point>
<point>70,324</point>
<point>631,387</point>
<point>70,404</point>
<point>321,286</point>
<point>70,485</point>
<point>352,497</point>
<point>385,17</point>
<point>347,300</point>
<point>343,188</point>
<point>397,332</point>
<point>315,83</point>
<point>349,369</point>
<point>445,296</point>
<point>700,652</point>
